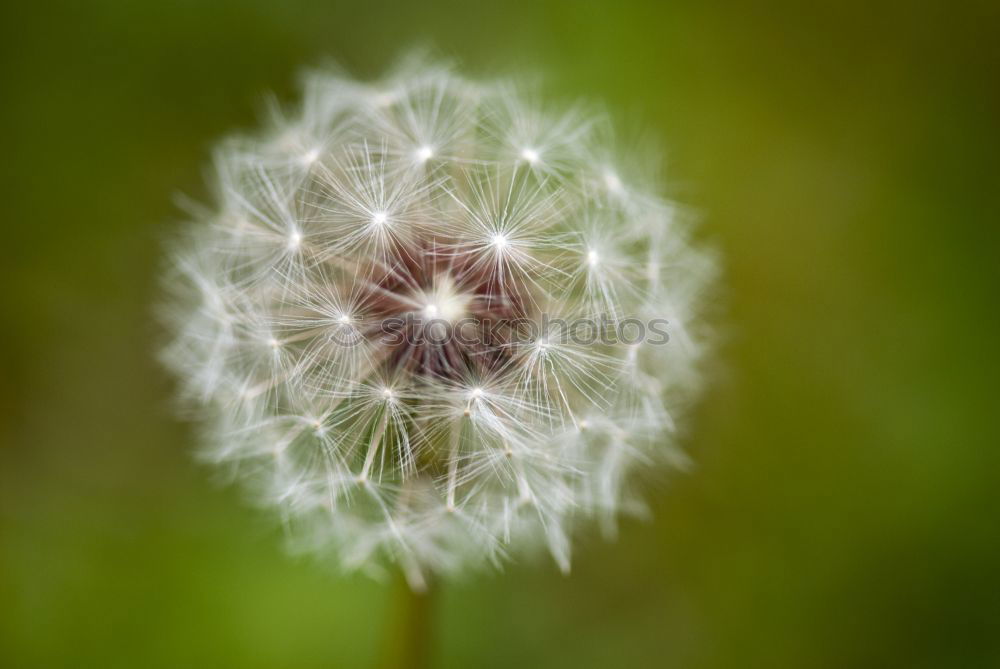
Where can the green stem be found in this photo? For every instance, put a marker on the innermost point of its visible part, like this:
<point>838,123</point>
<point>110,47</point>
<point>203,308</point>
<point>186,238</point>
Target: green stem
<point>407,642</point>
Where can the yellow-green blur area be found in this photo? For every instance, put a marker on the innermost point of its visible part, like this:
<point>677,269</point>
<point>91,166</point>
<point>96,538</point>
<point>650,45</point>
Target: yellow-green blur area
<point>842,511</point>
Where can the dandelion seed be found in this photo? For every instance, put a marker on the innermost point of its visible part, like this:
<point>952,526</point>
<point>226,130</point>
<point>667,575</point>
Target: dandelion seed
<point>612,181</point>
<point>310,157</point>
<point>424,154</point>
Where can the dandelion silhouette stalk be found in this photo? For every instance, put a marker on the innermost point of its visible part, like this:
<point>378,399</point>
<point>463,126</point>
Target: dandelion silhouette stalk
<point>483,227</point>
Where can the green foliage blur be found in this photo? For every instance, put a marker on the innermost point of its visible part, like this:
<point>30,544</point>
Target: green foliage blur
<point>843,507</point>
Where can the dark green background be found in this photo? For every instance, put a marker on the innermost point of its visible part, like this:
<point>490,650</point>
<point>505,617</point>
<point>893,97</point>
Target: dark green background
<point>842,512</point>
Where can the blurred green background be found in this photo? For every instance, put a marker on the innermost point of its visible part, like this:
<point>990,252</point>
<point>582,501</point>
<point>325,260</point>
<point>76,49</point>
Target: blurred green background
<point>843,511</point>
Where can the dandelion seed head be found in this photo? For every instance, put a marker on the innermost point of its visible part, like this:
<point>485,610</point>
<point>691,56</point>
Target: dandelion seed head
<point>452,443</point>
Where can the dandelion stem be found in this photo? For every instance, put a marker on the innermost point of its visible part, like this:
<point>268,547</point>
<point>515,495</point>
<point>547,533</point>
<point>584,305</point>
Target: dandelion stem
<point>407,642</point>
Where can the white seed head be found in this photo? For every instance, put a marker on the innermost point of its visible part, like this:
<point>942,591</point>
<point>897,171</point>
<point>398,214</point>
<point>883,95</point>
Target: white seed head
<point>415,445</point>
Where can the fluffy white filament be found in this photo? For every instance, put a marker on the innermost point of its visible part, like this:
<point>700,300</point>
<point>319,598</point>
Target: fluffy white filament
<point>429,196</point>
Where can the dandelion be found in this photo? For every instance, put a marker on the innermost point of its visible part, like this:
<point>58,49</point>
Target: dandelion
<point>486,229</point>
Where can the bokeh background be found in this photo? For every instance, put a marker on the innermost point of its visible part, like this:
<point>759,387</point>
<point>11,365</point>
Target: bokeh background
<point>843,510</point>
